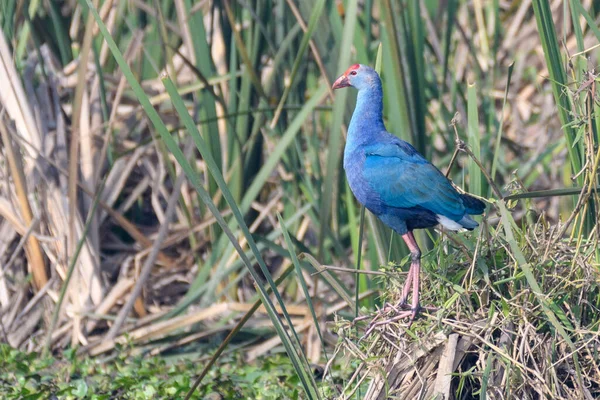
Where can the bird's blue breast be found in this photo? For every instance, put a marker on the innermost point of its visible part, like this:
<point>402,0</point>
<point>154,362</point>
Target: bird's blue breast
<point>354,161</point>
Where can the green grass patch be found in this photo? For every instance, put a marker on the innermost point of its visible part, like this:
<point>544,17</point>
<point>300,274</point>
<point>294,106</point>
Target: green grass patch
<point>32,376</point>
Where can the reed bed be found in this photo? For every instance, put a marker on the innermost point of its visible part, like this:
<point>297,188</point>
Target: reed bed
<point>171,176</point>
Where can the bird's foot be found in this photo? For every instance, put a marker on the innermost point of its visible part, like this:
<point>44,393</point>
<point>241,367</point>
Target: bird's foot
<point>361,318</point>
<point>430,309</point>
<point>391,313</point>
<point>386,309</point>
<point>376,323</point>
<point>402,305</point>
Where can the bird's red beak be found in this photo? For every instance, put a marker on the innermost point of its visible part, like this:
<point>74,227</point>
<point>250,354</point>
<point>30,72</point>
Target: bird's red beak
<point>341,82</point>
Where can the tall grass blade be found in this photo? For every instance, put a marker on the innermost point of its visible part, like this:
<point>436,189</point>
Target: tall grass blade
<point>62,38</point>
<point>312,24</point>
<point>558,79</point>
<point>242,48</point>
<point>451,8</point>
<point>207,106</point>
<point>576,9</point>
<point>501,124</point>
<point>296,263</point>
<point>576,27</point>
<point>415,59</point>
<point>473,140</point>
<point>395,92</point>
<point>549,193</point>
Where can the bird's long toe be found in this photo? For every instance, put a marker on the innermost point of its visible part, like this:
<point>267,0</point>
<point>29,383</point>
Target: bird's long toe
<point>413,314</point>
<point>430,309</point>
<point>377,323</point>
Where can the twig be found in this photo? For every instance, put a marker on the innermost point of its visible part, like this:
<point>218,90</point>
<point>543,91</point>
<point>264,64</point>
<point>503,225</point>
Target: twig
<point>462,146</point>
<point>348,270</point>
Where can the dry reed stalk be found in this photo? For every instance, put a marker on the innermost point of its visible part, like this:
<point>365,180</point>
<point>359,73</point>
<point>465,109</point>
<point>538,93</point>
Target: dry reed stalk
<point>9,89</point>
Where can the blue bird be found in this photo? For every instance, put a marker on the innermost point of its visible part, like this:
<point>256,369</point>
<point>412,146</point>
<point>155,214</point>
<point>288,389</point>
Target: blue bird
<point>393,181</point>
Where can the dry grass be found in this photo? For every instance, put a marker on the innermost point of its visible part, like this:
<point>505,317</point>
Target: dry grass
<point>501,343</point>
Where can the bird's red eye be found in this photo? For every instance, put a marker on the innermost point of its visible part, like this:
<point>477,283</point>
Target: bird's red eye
<point>353,73</point>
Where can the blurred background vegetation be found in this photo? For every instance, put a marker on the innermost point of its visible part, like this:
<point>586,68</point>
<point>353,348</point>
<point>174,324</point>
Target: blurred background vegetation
<point>172,187</point>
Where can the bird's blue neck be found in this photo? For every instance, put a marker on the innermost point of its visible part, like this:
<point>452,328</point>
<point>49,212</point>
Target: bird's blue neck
<point>367,120</point>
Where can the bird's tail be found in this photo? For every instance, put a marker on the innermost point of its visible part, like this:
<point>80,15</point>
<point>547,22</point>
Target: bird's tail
<point>468,223</point>
<point>473,205</point>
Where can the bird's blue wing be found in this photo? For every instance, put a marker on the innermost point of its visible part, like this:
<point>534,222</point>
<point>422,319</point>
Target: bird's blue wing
<point>403,178</point>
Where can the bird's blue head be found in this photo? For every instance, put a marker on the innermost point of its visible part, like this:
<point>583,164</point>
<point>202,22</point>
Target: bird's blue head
<point>359,76</point>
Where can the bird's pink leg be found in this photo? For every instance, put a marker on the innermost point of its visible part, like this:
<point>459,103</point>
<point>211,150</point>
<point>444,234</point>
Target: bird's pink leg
<point>411,280</point>
<point>413,274</point>
<point>415,301</point>
<point>407,285</point>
